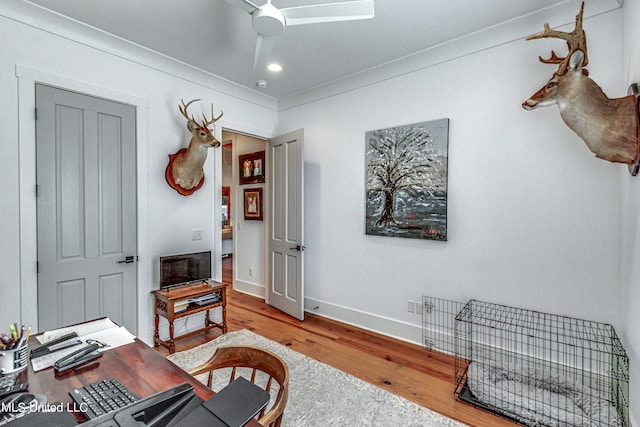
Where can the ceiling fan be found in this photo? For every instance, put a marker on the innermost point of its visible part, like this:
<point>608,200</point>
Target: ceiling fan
<point>269,21</point>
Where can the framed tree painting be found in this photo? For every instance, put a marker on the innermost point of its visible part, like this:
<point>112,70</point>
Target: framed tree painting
<point>253,204</point>
<point>251,166</point>
<point>406,180</point>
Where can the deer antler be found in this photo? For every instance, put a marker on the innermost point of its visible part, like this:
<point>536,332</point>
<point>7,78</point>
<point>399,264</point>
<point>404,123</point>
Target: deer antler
<point>214,119</point>
<point>205,123</point>
<point>183,109</point>
<point>576,40</point>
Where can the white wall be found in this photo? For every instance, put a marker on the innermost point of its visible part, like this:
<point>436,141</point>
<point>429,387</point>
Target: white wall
<point>110,70</point>
<point>9,200</point>
<point>630,237</point>
<point>534,218</point>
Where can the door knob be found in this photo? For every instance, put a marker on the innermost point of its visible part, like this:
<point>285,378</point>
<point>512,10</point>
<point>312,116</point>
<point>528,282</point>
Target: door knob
<point>299,248</point>
<point>127,260</point>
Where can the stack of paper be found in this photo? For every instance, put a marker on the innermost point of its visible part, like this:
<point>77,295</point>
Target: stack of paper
<point>103,330</point>
<point>180,306</point>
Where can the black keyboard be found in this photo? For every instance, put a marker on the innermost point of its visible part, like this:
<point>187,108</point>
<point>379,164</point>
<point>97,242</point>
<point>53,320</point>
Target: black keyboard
<point>102,397</point>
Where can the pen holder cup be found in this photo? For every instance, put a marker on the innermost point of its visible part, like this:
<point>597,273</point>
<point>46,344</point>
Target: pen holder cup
<point>12,361</point>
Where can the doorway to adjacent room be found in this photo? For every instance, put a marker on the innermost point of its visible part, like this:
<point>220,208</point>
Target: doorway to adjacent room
<point>243,239</point>
<point>265,217</point>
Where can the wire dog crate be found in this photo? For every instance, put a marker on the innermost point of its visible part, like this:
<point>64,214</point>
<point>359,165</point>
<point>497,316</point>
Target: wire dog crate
<point>438,324</point>
<point>540,369</point>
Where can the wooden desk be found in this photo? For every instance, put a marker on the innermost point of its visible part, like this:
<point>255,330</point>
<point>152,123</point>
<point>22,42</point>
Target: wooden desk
<point>165,301</point>
<point>140,368</point>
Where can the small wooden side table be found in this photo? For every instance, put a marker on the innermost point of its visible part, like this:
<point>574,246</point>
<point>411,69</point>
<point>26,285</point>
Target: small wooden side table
<point>166,301</point>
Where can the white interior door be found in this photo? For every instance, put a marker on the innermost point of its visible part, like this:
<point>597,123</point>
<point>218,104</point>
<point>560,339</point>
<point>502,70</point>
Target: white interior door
<point>286,224</point>
<point>86,209</point>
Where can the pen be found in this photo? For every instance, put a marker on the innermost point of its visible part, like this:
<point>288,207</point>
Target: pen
<point>14,333</point>
<point>20,342</point>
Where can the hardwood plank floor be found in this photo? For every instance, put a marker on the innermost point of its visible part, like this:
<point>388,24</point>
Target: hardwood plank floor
<point>410,371</point>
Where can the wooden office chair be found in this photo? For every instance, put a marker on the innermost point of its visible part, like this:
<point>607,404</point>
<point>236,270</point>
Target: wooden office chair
<point>256,359</point>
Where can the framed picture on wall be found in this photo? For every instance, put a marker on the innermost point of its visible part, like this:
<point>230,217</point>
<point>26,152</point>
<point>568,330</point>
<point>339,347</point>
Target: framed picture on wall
<point>253,204</point>
<point>406,180</point>
<point>251,166</point>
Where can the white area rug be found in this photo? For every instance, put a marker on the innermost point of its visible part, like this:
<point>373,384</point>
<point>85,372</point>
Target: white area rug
<point>320,395</point>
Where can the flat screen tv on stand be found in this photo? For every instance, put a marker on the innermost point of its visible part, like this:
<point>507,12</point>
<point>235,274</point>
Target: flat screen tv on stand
<point>184,269</point>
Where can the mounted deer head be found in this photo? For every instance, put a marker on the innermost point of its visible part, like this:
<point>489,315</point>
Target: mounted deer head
<point>609,127</point>
<point>185,171</point>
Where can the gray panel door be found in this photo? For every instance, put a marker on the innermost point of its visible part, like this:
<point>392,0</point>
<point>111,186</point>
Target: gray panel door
<point>86,209</point>
<point>286,229</point>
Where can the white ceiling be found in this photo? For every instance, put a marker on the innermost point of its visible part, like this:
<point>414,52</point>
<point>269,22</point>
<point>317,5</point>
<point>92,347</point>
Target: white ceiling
<point>218,38</point>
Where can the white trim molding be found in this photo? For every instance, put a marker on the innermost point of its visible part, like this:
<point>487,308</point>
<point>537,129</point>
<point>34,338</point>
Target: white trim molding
<point>39,17</point>
<point>249,288</point>
<point>372,322</point>
<point>514,30</point>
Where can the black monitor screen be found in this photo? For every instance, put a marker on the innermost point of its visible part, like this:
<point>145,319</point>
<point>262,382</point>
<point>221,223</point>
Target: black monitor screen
<point>176,269</point>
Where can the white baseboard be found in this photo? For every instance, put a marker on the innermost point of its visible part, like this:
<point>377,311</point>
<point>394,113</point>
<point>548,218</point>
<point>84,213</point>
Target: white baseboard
<point>372,322</point>
<point>249,288</point>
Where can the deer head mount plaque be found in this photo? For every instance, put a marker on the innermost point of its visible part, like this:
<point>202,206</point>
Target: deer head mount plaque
<point>185,172</point>
<point>609,127</point>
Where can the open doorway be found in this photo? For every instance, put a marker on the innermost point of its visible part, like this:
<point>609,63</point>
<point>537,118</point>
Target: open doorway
<point>227,227</point>
<point>265,217</point>
<point>243,234</point>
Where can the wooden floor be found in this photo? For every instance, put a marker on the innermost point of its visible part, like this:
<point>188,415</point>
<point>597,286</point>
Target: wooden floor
<point>424,377</point>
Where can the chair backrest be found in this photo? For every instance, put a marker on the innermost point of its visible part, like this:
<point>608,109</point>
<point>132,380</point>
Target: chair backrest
<point>256,359</point>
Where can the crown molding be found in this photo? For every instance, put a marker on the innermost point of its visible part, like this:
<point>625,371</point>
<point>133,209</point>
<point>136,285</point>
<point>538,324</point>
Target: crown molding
<point>45,20</point>
<point>510,31</point>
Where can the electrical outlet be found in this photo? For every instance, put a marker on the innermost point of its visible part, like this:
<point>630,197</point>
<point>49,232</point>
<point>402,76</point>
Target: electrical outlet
<point>411,305</point>
<point>419,308</point>
<point>196,234</point>
<point>251,271</point>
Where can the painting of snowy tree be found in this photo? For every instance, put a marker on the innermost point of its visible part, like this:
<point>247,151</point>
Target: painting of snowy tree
<point>406,174</point>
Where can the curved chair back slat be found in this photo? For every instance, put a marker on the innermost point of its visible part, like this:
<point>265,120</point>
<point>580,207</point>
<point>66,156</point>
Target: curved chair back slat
<point>256,359</point>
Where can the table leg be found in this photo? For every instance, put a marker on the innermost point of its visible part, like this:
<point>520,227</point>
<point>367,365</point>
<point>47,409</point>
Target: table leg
<point>156,334</point>
<point>172,344</point>
<point>224,319</point>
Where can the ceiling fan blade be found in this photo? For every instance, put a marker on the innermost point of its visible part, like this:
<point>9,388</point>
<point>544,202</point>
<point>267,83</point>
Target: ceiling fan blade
<point>245,5</point>
<point>264,46</point>
<point>329,12</point>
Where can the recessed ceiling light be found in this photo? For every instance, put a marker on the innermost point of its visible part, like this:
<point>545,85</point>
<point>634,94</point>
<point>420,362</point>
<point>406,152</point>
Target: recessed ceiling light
<point>262,84</point>
<point>274,67</point>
